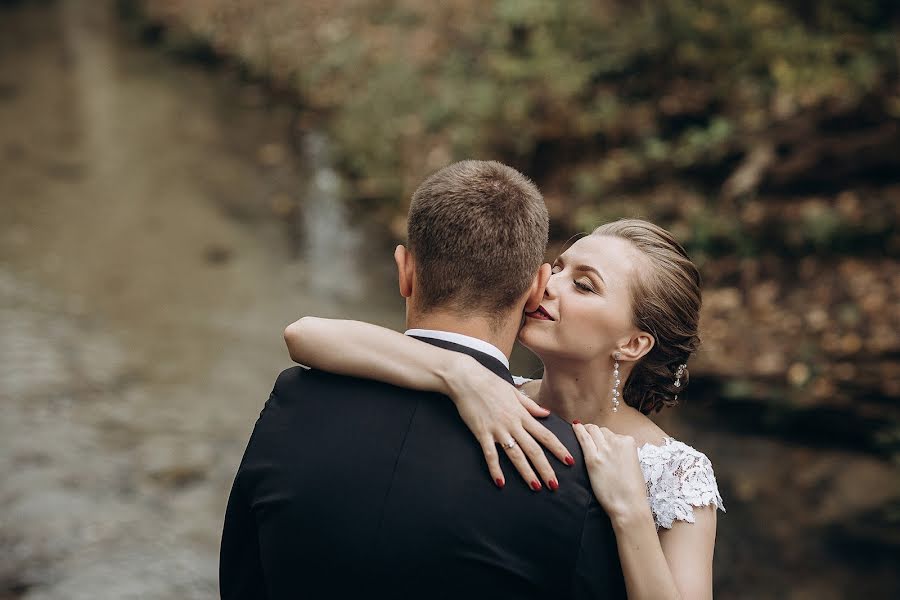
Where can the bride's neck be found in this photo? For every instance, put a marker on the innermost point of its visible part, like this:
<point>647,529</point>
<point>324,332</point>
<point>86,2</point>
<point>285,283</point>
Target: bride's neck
<point>578,391</point>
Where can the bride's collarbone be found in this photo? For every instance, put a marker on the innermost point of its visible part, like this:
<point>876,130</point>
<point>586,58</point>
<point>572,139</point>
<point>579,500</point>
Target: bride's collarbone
<point>636,424</point>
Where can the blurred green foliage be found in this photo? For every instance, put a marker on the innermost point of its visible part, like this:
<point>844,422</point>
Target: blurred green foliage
<point>608,95</point>
<point>764,134</point>
<point>684,112</point>
<point>623,91</point>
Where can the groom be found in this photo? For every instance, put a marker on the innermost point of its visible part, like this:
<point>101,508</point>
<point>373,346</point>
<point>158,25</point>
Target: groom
<point>351,488</point>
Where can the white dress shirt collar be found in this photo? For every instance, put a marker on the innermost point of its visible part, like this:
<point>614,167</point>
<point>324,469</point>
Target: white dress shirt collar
<point>462,340</point>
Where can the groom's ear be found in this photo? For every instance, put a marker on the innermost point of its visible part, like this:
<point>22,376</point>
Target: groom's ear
<point>538,285</point>
<point>406,270</point>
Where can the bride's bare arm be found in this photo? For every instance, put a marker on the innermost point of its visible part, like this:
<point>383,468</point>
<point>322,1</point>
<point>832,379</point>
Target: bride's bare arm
<point>669,564</point>
<point>492,409</point>
<point>361,349</point>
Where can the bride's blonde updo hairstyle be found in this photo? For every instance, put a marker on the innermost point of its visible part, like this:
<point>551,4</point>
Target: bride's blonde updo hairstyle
<point>665,302</point>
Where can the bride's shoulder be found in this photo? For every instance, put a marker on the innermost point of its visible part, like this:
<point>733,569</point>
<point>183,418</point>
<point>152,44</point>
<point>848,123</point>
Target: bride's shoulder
<point>679,477</point>
<point>668,448</point>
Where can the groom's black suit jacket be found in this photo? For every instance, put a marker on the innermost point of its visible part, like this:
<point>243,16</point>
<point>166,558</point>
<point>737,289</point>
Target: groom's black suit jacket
<point>350,488</point>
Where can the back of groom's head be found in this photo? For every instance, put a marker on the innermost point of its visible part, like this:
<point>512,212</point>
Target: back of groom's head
<point>478,232</point>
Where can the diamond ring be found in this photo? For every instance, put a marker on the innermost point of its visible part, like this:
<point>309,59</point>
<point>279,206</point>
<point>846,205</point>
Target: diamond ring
<point>509,443</point>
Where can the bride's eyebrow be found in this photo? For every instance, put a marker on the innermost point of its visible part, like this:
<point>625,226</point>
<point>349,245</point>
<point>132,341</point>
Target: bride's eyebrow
<point>591,269</point>
<point>559,261</point>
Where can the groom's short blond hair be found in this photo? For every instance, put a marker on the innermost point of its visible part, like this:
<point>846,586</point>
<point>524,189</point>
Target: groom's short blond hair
<point>478,233</point>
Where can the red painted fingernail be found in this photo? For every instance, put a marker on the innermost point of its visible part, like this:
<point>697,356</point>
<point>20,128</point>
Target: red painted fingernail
<point>553,485</point>
<point>535,485</point>
<point>500,483</point>
<point>576,422</point>
<point>570,461</point>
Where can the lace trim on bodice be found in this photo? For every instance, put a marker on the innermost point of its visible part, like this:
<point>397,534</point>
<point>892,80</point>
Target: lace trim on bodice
<point>678,479</point>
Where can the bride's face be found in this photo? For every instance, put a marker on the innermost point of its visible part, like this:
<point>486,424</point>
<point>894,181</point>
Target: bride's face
<point>586,310</point>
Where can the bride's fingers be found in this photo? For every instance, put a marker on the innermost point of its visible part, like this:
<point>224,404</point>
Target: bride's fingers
<point>588,446</point>
<point>520,462</point>
<point>533,408</point>
<point>493,460</point>
<point>598,434</point>
<point>548,440</point>
<point>536,455</point>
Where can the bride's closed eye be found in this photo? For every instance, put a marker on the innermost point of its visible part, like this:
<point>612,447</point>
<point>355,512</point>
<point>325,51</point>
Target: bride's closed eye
<point>585,287</point>
<point>584,284</point>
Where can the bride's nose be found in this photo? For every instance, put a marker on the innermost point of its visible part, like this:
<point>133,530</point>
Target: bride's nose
<point>550,289</point>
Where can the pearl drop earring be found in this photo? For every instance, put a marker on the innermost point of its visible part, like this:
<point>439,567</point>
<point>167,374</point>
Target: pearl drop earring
<point>616,383</point>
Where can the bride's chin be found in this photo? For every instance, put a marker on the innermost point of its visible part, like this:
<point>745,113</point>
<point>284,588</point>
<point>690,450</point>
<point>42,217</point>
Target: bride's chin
<point>522,337</point>
<point>530,341</point>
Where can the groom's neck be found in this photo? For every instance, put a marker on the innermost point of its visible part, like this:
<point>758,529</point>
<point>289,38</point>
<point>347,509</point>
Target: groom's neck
<point>482,329</point>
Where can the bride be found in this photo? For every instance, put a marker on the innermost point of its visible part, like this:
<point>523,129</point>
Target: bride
<point>616,327</point>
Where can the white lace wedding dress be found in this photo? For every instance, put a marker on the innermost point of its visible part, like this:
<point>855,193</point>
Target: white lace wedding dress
<point>678,478</point>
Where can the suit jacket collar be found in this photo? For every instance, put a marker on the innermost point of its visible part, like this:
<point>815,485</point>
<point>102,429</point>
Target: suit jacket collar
<point>495,366</point>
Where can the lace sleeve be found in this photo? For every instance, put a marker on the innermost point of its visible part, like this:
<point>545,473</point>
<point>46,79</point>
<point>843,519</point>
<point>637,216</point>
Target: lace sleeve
<point>678,479</point>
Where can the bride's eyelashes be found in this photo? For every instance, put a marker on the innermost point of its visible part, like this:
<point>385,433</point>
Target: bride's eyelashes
<point>584,287</point>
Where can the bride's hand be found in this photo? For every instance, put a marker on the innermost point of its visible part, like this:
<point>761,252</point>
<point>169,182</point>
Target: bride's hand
<point>614,469</point>
<point>497,413</point>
